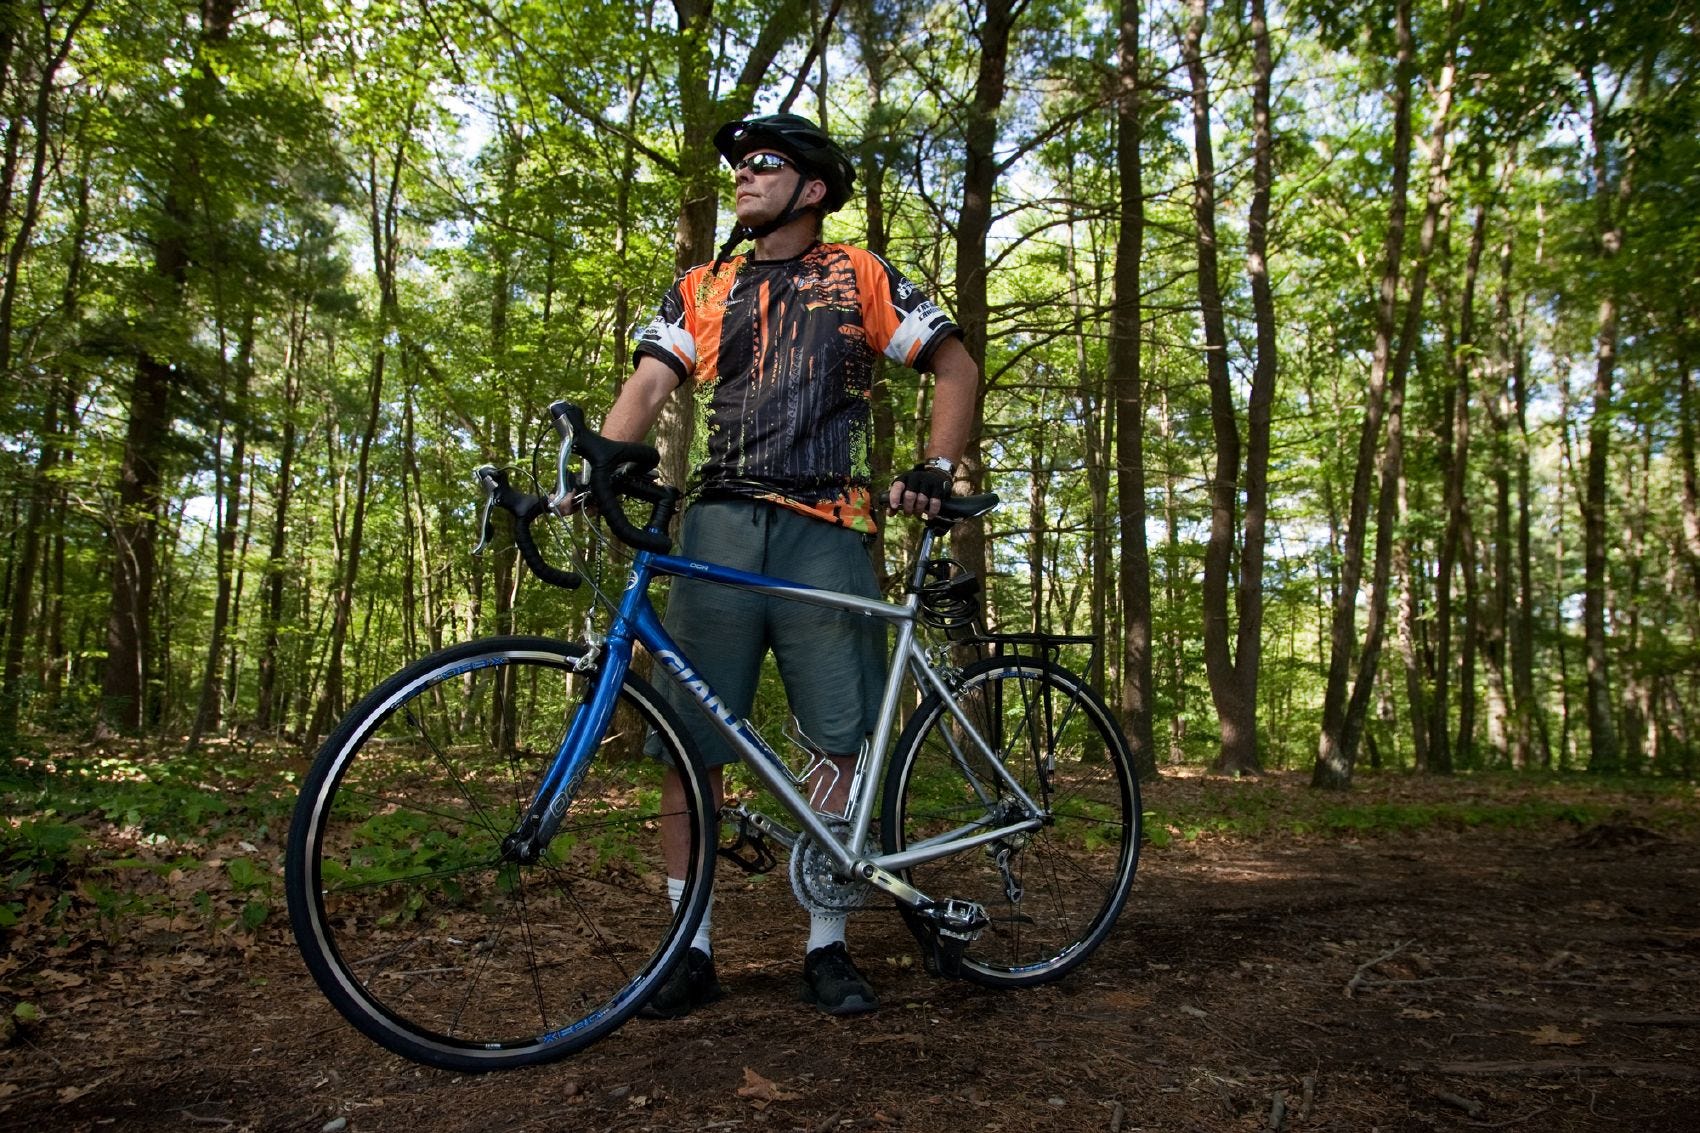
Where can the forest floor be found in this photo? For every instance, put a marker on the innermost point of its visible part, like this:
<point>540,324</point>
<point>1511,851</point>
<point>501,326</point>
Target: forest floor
<point>1470,953</point>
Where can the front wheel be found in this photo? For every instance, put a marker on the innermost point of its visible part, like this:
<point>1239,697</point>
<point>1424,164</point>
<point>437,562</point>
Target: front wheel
<point>1051,895</point>
<point>427,932</point>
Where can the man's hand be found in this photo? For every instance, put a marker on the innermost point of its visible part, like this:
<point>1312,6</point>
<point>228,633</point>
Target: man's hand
<point>920,491</point>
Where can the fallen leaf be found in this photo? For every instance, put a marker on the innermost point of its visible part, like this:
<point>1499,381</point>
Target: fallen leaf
<point>763,1092</point>
<point>1550,1035</point>
<point>1125,1000</point>
<point>61,980</point>
<point>1420,1013</point>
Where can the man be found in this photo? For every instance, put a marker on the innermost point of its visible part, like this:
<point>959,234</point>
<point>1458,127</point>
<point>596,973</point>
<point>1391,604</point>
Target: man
<point>779,347</point>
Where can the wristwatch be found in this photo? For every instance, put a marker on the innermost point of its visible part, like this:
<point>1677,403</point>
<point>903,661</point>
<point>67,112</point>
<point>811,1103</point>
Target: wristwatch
<point>940,464</point>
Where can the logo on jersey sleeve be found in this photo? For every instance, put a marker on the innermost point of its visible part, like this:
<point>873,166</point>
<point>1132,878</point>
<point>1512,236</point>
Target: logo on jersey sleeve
<point>916,329</point>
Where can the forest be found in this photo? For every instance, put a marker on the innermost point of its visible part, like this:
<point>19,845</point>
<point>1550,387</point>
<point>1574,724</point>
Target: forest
<point>1339,359</point>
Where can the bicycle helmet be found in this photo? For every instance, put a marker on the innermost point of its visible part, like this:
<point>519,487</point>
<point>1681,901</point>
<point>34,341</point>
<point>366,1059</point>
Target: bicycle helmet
<point>799,139</point>
<point>805,143</point>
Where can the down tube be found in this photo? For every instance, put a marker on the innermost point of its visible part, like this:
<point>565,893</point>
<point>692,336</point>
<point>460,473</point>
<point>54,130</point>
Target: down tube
<point>768,767</point>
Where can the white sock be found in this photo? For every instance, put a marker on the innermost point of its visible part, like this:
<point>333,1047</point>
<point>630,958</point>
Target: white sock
<point>676,894</point>
<point>825,930</point>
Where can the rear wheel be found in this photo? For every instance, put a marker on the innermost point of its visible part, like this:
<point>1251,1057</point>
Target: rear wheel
<point>417,925</point>
<point>1051,895</point>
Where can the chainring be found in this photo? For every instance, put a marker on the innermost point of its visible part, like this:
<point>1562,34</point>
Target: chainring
<point>815,884</point>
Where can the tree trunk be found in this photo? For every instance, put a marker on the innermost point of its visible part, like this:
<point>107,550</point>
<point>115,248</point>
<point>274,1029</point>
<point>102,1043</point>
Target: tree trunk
<point>268,712</point>
<point>383,219</point>
<point>1336,750</point>
<point>974,224</point>
<point>1604,755</point>
<point>1413,651</point>
<point>1239,744</point>
<point>1638,735</point>
<point>129,645</point>
<point>1244,755</point>
<point>1125,362</point>
<point>1392,462</point>
<point>1038,526</point>
<point>54,55</point>
<point>26,562</point>
<point>1176,638</point>
<point>1688,410</point>
<point>1454,468</point>
<point>207,713</point>
<point>1531,732</point>
<point>1566,469</point>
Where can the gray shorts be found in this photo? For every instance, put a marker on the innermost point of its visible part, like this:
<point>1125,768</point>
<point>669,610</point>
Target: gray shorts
<point>832,662</point>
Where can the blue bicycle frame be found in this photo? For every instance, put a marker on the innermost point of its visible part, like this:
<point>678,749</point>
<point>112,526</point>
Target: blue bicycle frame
<point>635,621</point>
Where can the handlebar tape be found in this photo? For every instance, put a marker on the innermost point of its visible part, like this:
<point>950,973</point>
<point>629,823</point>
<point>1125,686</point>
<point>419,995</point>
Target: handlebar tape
<point>619,469</point>
<point>525,509</point>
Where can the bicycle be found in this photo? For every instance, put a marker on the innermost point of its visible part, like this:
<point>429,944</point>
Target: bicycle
<point>473,869</point>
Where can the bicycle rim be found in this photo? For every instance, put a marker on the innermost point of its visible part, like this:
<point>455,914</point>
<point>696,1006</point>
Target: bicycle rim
<point>413,922</point>
<point>1058,889</point>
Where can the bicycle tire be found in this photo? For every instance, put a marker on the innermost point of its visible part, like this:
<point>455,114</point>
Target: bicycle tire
<point>1061,743</point>
<point>408,916</point>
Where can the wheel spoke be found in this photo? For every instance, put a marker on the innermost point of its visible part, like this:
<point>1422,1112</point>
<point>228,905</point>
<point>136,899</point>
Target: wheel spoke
<point>1060,745</point>
<point>412,920</point>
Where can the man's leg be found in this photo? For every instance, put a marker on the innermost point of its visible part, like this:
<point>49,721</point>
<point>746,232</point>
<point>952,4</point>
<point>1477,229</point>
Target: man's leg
<point>676,842</point>
<point>829,792</point>
<point>692,983</point>
<point>720,630</point>
<point>832,664</point>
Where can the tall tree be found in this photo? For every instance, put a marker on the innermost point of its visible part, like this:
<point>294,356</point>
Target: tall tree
<point>157,375</point>
<point>974,224</point>
<point>1126,380</point>
<point>1336,750</point>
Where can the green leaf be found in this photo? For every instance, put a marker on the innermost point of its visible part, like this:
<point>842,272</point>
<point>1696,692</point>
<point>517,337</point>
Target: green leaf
<point>244,874</point>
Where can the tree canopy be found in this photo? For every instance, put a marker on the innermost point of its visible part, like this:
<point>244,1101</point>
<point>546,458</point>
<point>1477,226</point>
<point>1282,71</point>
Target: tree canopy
<point>1307,330</point>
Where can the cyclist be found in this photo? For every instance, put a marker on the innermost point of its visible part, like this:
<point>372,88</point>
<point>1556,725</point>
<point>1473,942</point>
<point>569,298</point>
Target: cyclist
<point>779,347</point>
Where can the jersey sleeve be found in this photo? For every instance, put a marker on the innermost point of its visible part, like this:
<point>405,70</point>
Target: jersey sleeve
<point>668,337</point>
<point>902,322</point>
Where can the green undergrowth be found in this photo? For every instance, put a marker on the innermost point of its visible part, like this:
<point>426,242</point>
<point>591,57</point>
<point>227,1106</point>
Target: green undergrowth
<point>1278,806</point>
<point>96,836</point>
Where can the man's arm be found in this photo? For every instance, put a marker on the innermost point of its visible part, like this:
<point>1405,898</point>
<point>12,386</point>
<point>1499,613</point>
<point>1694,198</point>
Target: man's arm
<point>956,383</point>
<point>640,400</point>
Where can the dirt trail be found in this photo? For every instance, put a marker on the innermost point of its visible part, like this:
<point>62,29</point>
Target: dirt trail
<point>1536,980</point>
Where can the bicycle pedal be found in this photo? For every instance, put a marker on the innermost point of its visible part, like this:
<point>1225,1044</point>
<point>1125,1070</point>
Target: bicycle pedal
<point>750,852</point>
<point>952,925</point>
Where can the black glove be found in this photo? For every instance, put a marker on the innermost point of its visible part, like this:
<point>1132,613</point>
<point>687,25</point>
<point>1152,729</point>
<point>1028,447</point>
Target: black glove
<point>924,481</point>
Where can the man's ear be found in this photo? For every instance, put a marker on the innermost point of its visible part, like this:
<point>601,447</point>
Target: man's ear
<point>814,192</point>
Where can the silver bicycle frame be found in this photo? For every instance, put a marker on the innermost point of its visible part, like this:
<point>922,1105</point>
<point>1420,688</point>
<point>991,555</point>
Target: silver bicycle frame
<point>637,621</point>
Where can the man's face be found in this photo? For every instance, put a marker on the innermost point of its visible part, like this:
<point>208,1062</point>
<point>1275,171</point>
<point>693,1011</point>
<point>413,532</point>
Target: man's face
<point>763,190</point>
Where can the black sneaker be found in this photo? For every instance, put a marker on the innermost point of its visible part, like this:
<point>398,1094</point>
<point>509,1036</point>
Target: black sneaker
<point>691,984</point>
<point>832,983</point>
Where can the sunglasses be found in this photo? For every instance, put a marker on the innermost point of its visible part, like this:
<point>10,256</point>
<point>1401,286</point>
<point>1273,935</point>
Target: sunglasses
<point>761,163</point>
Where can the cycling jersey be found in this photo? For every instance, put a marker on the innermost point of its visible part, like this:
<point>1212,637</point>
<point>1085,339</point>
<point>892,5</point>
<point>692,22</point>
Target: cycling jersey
<point>782,353</point>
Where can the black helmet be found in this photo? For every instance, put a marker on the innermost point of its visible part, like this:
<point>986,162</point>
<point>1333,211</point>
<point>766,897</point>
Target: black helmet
<point>799,139</point>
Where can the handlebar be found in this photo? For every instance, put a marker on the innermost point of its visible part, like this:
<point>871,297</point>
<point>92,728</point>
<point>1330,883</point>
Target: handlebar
<point>525,508</point>
<point>617,471</point>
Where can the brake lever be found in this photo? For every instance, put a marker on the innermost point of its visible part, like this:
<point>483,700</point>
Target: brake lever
<point>485,477</point>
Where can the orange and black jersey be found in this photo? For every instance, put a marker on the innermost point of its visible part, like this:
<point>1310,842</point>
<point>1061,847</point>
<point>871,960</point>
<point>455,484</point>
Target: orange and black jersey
<point>782,353</point>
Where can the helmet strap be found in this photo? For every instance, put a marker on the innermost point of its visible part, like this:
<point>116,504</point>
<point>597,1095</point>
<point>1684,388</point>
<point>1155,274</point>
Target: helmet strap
<point>740,232</point>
